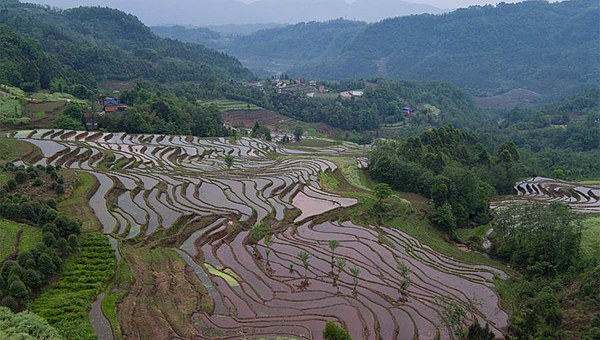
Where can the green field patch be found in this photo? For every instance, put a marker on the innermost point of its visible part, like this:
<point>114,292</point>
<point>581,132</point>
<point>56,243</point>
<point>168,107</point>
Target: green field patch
<point>226,274</point>
<point>11,108</point>
<point>464,234</point>
<point>328,182</point>
<point>590,182</point>
<point>3,179</point>
<point>30,236</point>
<point>590,240</point>
<point>11,150</point>
<point>350,171</point>
<point>231,105</point>
<point>66,303</point>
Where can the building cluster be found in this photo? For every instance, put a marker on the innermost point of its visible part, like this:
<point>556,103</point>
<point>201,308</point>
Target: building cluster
<point>110,107</point>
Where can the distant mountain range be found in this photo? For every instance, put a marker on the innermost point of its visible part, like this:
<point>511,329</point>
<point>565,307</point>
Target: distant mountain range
<point>222,12</point>
<point>549,48</point>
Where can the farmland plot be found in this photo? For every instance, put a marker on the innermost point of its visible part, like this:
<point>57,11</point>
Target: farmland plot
<point>581,198</point>
<point>150,183</point>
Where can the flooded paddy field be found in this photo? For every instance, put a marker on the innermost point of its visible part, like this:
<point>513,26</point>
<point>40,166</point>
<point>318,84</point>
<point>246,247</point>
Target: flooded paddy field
<point>151,184</point>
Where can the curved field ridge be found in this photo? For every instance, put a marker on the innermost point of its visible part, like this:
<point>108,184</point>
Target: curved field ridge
<point>273,299</point>
<point>581,198</point>
<point>149,182</point>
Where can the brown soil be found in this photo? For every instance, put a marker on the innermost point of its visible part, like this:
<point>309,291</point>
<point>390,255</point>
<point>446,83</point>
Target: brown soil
<point>51,110</point>
<point>275,122</point>
<point>163,296</point>
<point>270,119</point>
<point>44,191</point>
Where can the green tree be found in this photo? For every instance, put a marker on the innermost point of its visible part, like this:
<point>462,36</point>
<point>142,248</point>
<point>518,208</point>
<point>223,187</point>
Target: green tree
<point>304,258</point>
<point>539,240</point>
<point>355,271</point>
<point>382,191</point>
<point>268,244</point>
<point>18,289</point>
<point>67,123</point>
<point>298,132</point>
<point>334,332</point>
<point>443,218</point>
<point>45,265</point>
<point>229,161</point>
<point>476,332</point>
<point>25,325</point>
<point>452,317</point>
<point>333,244</point>
<point>73,242</point>
<point>73,110</point>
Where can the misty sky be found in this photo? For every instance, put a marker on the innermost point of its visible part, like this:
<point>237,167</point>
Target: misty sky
<point>218,12</point>
<point>436,3</point>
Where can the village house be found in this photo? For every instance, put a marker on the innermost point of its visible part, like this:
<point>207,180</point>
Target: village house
<point>408,110</point>
<point>351,94</point>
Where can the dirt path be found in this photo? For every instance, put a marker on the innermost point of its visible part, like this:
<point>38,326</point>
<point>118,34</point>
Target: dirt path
<point>99,322</point>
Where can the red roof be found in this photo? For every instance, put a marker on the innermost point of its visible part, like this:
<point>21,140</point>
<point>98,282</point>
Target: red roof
<point>110,108</point>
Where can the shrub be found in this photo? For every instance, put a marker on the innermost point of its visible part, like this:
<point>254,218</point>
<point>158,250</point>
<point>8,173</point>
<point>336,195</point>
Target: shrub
<point>333,332</point>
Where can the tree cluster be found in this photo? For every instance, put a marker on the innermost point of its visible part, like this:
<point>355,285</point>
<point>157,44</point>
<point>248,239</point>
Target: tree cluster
<point>450,167</point>
<point>157,110</point>
<point>24,273</point>
<point>543,243</point>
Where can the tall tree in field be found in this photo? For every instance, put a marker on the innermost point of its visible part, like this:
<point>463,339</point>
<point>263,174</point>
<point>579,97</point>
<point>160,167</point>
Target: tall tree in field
<point>229,161</point>
<point>304,257</point>
<point>333,244</point>
<point>298,132</point>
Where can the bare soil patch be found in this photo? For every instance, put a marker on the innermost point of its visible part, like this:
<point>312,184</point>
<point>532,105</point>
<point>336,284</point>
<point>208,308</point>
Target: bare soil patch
<point>164,294</point>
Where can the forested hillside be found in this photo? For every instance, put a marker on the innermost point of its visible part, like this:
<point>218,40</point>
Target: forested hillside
<point>106,44</point>
<point>563,137</point>
<point>549,48</point>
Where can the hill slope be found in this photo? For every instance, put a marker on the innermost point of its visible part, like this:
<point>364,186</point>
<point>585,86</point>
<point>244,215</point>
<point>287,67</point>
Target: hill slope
<point>549,48</point>
<point>103,43</point>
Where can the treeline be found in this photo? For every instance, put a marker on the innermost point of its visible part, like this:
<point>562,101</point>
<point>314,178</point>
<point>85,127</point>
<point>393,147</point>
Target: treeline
<point>82,46</point>
<point>21,277</point>
<point>158,110</point>
<point>453,169</point>
<point>558,294</point>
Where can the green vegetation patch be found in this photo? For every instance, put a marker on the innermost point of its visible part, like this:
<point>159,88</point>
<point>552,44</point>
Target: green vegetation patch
<point>350,171</point>
<point>67,302</point>
<point>226,274</point>
<point>25,325</point>
<point>11,150</point>
<point>30,236</point>
<point>10,111</point>
<point>231,105</point>
<point>328,182</point>
<point>590,239</point>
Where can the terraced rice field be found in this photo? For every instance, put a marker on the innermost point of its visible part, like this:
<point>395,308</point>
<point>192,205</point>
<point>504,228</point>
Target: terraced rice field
<point>581,198</point>
<point>149,183</point>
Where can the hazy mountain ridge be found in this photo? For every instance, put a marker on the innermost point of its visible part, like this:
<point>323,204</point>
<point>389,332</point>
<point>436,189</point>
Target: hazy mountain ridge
<point>222,12</point>
<point>549,48</point>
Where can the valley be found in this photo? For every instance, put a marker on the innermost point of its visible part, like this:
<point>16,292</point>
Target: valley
<point>431,176</point>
